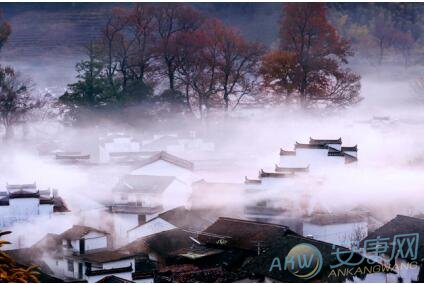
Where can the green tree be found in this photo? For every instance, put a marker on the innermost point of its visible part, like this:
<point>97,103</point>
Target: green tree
<point>89,91</point>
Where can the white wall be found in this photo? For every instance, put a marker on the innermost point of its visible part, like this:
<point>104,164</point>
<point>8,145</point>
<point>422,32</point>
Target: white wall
<point>318,160</point>
<point>45,209</point>
<point>122,224</point>
<point>23,208</point>
<point>176,194</point>
<point>338,234</point>
<point>95,240</point>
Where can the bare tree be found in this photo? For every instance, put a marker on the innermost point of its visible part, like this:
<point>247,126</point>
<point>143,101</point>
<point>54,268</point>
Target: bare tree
<point>141,26</point>
<point>170,20</point>
<point>15,99</point>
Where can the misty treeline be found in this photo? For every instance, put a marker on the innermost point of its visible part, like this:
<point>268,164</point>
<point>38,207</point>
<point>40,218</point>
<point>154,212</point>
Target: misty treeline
<point>173,56</point>
<point>382,33</point>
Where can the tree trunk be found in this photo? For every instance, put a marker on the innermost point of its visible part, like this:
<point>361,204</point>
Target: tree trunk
<point>171,77</point>
<point>8,133</point>
<point>226,99</point>
<point>381,45</point>
<point>187,95</point>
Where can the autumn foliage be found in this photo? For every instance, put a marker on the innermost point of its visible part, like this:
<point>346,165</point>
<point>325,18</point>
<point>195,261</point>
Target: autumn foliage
<point>308,64</point>
<point>10,272</point>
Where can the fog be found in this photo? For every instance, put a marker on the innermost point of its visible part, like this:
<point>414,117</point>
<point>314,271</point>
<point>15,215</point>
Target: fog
<point>387,179</point>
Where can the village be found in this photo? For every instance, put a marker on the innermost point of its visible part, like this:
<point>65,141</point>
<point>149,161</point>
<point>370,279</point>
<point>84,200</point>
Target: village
<point>163,222</point>
<point>211,142</point>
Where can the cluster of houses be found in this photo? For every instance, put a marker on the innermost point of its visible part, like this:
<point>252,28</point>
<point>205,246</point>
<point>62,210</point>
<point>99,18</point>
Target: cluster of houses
<point>166,227</point>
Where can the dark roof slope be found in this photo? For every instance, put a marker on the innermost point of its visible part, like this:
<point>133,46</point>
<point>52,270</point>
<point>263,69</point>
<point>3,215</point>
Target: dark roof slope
<point>78,231</point>
<point>166,244</point>
<point>325,141</point>
<point>105,256</point>
<point>242,234</point>
<point>162,155</point>
<point>185,219</point>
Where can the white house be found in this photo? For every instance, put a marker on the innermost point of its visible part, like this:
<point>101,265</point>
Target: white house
<point>313,159</point>
<point>23,202</point>
<point>160,183</point>
<point>84,253</point>
<point>117,145</point>
<point>319,154</point>
<point>165,164</point>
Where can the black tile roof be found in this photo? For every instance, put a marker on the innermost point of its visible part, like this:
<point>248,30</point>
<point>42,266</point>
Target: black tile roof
<point>241,234</point>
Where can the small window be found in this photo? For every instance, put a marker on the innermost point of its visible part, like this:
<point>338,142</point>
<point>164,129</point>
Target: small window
<point>124,196</point>
<point>70,265</point>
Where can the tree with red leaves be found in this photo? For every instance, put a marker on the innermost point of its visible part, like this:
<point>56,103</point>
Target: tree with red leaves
<point>217,64</point>
<point>308,63</point>
<point>172,19</point>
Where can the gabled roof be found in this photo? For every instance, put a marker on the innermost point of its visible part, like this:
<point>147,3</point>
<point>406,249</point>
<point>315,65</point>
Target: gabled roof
<point>162,155</point>
<point>143,184</point>
<point>241,234</point>
<point>291,169</point>
<point>263,174</point>
<point>185,219</point>
<point>324,141</point>
<point>77,232</point>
